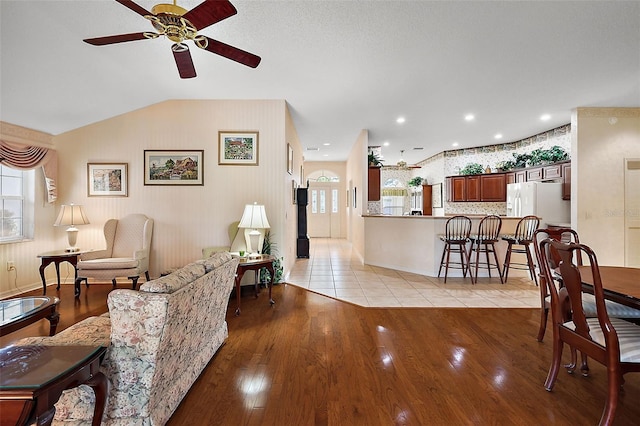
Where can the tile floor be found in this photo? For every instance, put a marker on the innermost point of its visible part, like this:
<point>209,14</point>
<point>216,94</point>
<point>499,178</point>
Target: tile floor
<point>332,270</point>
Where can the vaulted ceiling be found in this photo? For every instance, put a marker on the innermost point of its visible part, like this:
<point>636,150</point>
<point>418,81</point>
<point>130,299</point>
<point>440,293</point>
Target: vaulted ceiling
<point>342,66</point>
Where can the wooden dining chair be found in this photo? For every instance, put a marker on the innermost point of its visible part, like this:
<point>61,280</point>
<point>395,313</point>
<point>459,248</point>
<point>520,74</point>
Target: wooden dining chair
<point>613,342</point>
<point>484,242</point>
<point>568,235</point>
<point>455,238</point>
<point>565,235</point>
<point>520,242</point>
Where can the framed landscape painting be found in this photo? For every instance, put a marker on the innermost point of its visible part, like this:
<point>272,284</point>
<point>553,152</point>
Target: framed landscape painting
<point>238,148</point>
<point>165,167</point>
<point>107,179</point>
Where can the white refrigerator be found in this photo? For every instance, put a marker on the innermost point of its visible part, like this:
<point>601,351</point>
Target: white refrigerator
<point>541,199</point>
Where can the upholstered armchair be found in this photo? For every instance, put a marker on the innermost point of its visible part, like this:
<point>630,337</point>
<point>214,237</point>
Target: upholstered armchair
<point>127,253</point>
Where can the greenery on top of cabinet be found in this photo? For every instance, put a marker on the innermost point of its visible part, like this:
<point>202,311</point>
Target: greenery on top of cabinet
<point>472,169</point>
<point>536,157</point>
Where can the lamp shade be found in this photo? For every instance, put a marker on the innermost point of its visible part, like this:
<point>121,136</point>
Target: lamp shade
<point>254,216</point>
<point>71,215</point>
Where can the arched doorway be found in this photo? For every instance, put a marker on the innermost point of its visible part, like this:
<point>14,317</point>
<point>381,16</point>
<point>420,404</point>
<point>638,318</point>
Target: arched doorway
<point>323,211</point>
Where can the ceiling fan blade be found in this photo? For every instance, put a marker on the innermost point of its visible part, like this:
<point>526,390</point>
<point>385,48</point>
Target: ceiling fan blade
<point>233,53</point>
<point>121,38</point>
<point>183,60</point>
<point>134,6</point>
<point>209,12</point>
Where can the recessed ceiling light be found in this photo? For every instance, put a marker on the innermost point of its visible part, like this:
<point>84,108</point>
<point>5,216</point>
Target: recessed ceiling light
<point>469,117</point>
<point>455,144</point>
<point>400,120</point>
<point>386,143</point>
<point>498,136</point>
<point>545,117</point>
<point>326,144</point>
<point>325,155</point>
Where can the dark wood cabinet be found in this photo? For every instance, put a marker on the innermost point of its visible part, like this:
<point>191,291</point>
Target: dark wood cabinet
<point>566,181</point>
<point>553,171</point>
<point>534,174</point>
<point>493,187</point>
<point>473,188</point>
<point>374,184</point>
<point>457,189</point>
<point>477,188</point>
<point>427,199</point>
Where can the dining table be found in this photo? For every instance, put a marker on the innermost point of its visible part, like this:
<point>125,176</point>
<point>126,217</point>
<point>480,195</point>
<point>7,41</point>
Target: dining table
<point>620,284</point>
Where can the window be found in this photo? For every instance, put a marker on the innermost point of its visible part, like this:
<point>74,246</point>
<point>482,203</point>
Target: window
<point>16,204</point>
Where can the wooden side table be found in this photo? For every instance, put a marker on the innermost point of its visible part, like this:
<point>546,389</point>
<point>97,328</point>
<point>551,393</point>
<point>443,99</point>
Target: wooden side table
<point>254,264</point>
<point>57,257</point>
<point>33,378</point>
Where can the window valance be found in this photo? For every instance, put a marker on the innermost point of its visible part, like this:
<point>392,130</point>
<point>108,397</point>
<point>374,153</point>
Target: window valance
<point>24,157</point>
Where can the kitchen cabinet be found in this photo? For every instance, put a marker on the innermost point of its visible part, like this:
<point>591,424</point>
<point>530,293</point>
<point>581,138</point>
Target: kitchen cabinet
<point>374,184</point>
<point>566,181</point>
<point>510,177</point>
<point>473,188</point>
<point>493,187</point>
<point>521,176</point>
<point>456,189</point>
<point>477,188</point>
<point>553,171</point>
<point>427,200</point>
<point>534,174</point>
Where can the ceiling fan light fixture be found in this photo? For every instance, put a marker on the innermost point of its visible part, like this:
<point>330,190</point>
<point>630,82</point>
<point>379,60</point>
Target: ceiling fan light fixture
<point>179,47</point>
<point>171,9</point>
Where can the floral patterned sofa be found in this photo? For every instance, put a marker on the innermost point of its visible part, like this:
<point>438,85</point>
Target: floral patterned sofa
<point>159,340</point>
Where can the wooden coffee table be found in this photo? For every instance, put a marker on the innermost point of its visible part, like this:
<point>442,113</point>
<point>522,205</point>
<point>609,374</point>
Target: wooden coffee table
<point>33,378</point>
<point>22,311</point>
<point>254,264</point>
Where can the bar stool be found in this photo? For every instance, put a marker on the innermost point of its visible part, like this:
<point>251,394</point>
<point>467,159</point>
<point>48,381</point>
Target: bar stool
<point>484,242</point>
<point>519,243</point>
<point>455,239</point>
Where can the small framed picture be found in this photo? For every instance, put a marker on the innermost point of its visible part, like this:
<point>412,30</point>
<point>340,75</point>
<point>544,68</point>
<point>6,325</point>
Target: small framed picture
<point>165,167</point>
<point>238,148</point>
<point>294,191</point>
<point>107,179</point>
<point>289,159</point>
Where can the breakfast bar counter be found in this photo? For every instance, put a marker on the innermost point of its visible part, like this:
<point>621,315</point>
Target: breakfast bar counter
<point>412,243</point>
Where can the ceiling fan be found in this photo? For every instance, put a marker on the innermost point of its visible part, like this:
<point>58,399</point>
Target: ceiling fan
<point>180,25</point>
<point>402,165</point>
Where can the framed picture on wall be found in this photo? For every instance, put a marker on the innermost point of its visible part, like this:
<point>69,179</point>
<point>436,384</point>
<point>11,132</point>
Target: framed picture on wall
<point>107,179</point>
<point>289,159</point>
<point>436,194</point>
<point>165,167</point>
<point>238,148</point>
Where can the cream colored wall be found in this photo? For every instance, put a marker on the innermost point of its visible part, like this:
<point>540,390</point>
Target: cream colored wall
<point>26,276</point>
<point>601,139</point>
<point>357,180</point>
<point>340,169</point>
<point>290,209</point>
<point>187,218</point>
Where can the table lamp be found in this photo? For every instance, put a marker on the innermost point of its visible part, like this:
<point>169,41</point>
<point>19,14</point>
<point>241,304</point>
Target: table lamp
<point>254,218</point>
<point>71,215</point>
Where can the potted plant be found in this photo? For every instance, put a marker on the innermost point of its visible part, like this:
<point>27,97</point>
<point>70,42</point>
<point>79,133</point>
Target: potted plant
<point>472,169</point>
<point>268,247</point>
<point>416,181</point>
<point>374,161</point>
